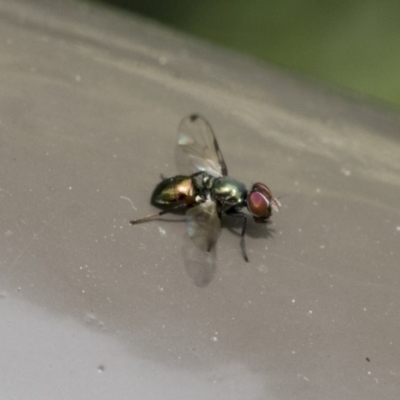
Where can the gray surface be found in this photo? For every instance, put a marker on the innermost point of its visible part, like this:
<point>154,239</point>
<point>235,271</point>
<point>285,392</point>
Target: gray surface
<point>94,308</point>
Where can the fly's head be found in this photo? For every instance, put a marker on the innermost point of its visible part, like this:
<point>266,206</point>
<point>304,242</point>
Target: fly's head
<point>260,202</point>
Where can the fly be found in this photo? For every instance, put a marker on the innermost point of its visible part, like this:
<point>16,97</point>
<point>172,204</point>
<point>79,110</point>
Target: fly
<point>205,191</point>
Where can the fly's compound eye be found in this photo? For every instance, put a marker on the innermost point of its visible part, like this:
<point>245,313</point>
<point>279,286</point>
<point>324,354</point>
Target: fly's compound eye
<point>260,202</point>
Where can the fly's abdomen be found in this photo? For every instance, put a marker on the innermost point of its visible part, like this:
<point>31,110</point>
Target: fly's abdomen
<point>173,192</point>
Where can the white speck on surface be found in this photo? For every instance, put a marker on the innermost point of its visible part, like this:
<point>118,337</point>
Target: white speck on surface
<point>318,190</point>
<point>162,231</point>
<point>100,369</point>
<point>78,78</point>
<point>70,187</point>
<point>322,246</point>
<point>9,233</point>
<point>304,377</point>
<point>345,172</point>
<point>398,228</point>
<point>310,312</point>
<point>293,300</point>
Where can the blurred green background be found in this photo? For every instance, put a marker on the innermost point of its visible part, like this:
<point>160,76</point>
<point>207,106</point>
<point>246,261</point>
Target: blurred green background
<point>354,44</point>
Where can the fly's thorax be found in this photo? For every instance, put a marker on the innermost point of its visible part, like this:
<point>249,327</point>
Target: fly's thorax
<point>171,192</point>
<point>228,193</point>
<point>202,181</point>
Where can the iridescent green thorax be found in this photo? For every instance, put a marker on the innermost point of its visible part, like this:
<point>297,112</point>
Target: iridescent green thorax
<point>229,194</point>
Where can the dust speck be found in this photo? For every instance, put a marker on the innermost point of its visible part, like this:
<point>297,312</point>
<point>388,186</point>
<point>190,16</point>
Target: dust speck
<point>101,368</point>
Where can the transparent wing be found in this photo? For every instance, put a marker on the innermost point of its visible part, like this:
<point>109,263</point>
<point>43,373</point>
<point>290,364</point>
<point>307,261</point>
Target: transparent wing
<point>199,265</point>
<point>198,148</point>
<point>203,229</point>
<point>203,225</point>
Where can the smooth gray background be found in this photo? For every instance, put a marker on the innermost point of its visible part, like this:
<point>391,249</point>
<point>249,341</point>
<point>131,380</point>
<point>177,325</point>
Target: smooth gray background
<point>94,308</point>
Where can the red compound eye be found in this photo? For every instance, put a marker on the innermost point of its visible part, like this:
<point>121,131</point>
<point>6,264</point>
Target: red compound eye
<point>259,205</point>
<point>260,202</point>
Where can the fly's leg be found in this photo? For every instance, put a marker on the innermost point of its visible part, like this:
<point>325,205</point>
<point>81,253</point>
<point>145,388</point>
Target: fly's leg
<point>148,218</point>
<point>243,233</point>
<point>157,215</point>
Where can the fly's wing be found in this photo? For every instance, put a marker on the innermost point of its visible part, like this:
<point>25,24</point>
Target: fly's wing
<point>204,225</point>
<point>198,148</point>
<point>199,265</point>
<point>203,229</point>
